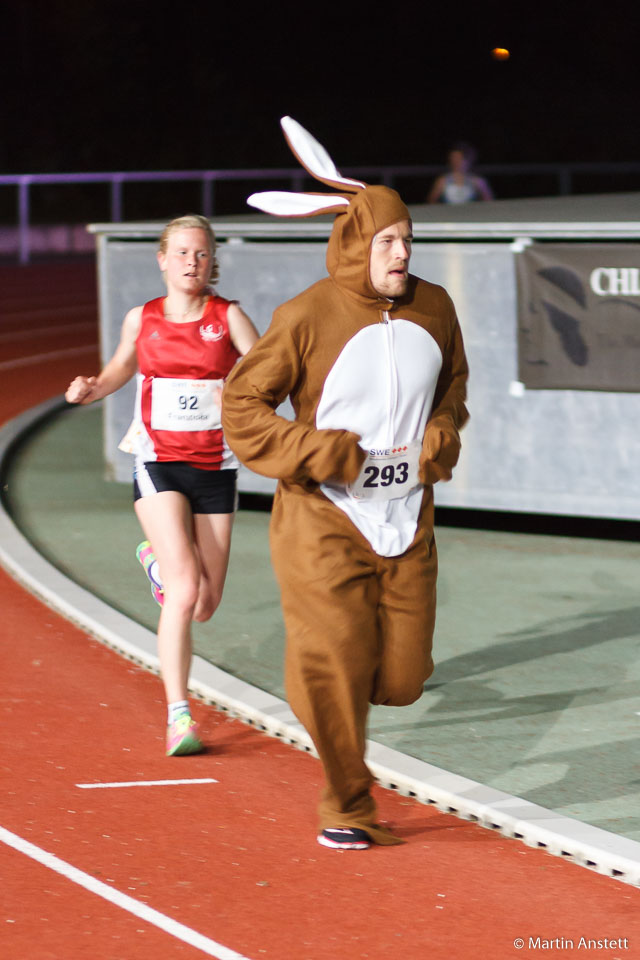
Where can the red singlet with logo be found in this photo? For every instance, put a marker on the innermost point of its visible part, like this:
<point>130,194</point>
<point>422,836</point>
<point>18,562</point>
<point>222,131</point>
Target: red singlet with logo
<point>196,350</point>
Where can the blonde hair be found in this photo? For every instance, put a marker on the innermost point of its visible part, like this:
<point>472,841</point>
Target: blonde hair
<point>193,221</point>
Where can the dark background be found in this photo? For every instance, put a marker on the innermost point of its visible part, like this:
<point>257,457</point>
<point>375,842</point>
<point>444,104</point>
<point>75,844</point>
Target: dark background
<point>154,86</point>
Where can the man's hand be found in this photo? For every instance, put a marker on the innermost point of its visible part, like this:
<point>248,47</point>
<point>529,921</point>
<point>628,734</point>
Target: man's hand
<point>349,458</point>
<point>440,451</point>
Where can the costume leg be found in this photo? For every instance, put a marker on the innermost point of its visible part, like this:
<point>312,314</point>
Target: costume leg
<point>406,613</point>
<point>330,594</point>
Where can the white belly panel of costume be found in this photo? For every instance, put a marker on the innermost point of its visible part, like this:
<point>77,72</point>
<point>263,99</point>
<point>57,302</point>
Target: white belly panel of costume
<point>381,387</point>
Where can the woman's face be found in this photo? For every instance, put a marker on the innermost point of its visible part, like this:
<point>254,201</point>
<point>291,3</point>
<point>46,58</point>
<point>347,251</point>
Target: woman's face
<point>187,260</point>
<point>458,162</point>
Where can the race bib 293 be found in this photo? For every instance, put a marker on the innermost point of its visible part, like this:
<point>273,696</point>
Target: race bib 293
<point>388,474</point>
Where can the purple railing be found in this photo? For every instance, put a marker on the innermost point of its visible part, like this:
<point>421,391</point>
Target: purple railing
<point>562,173</point>
<point>207,178</point>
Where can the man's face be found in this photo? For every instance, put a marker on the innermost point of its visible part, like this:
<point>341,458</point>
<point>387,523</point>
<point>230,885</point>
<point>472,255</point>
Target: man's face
<point>389,259</point>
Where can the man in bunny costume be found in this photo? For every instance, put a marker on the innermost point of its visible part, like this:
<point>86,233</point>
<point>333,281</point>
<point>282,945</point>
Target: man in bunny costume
<point>373,361</point>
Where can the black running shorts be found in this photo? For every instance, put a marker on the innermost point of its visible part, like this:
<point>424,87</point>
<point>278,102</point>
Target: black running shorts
<point>208,491</point>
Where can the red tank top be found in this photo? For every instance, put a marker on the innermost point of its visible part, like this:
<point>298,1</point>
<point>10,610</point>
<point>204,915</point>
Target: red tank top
<point>197,350</point>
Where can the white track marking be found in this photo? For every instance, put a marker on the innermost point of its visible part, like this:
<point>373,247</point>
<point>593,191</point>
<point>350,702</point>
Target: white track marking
<point>42,357</point>
<point>140,783</point>
<point>141,910</point>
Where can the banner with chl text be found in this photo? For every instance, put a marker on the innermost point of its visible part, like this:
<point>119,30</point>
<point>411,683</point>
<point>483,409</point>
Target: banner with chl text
<point>579,316</point>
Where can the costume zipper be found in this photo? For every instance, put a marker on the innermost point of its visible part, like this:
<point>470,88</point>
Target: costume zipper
<point>393,378</point>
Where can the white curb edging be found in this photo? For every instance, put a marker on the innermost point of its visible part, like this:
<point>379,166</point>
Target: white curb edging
<point>599,850</point>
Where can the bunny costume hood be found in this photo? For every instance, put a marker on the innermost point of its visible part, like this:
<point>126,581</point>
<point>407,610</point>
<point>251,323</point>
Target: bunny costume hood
<point>370,212</point>
<point>378,389</point>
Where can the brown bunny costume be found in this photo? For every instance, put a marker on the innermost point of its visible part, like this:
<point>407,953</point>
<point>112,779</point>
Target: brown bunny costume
<point>370,379</point>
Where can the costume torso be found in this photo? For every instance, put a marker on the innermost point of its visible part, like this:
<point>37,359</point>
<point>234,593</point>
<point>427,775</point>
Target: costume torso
<point>373,372</point>
<point>359,369</point>
<point>200,351</point>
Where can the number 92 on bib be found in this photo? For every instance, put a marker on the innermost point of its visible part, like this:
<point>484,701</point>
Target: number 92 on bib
<point>388,474</point>
<point>187,405</point>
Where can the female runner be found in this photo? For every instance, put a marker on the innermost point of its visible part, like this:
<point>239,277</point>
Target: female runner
<point>181,346</point>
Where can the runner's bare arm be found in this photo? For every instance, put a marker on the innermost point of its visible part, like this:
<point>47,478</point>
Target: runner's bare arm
<point>242,331</point>
<point>117,372</point>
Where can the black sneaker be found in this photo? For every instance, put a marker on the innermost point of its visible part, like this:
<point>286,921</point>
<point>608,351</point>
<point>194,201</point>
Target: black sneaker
<point>341,838</point>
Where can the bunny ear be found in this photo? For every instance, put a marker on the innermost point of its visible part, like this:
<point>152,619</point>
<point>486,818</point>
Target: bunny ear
<point>297,204</point>
<point>313,156</point>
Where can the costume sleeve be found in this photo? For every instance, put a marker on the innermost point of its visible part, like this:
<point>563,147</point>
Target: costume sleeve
<point>441,444</point>
<point>268,443</point>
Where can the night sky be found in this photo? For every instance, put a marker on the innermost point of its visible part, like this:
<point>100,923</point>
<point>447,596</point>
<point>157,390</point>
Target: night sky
<point>136,85</point>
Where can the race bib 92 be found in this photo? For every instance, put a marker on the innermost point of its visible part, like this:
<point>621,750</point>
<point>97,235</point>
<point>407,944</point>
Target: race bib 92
<point>185,404</point>
<point>388,474</point>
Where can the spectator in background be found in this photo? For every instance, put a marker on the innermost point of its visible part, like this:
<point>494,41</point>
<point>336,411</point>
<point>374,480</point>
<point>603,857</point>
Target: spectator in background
<point>460,184</point>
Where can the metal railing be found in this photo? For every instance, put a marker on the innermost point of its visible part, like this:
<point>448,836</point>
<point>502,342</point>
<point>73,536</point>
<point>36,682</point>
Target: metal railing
<point>207,179</point>
<point>562,173</point>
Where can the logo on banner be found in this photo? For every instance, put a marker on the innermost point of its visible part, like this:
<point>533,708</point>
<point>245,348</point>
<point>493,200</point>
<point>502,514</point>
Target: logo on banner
<point>615,281</point>
<point>565,325</point>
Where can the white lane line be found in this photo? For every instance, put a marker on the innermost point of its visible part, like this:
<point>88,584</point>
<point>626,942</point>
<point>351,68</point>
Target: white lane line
<point>140,783</point>
<point>141,910</point>
<point>41,357</point>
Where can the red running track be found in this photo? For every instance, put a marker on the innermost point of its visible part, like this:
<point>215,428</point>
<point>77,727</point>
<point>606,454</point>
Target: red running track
<point>229,867</point>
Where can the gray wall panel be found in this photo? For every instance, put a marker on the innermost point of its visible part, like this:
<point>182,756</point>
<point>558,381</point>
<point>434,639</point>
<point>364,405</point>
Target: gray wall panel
<point>568,452</point>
